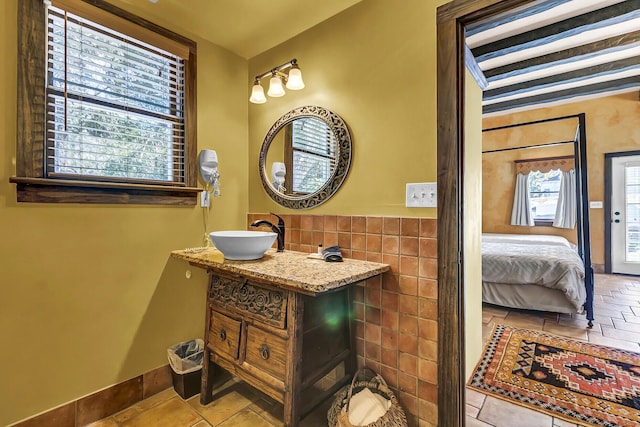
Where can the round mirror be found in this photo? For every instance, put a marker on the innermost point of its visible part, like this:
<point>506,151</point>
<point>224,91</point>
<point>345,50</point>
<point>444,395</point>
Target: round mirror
<point>305,157</point>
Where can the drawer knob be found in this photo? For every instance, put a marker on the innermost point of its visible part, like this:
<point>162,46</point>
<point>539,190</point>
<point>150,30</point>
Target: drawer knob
<point>264,351</point>
<point>223,334</point>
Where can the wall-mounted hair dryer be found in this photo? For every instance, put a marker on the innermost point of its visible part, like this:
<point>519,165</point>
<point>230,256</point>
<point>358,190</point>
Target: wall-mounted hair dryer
<point>278,172</point>
<point>208,162</point>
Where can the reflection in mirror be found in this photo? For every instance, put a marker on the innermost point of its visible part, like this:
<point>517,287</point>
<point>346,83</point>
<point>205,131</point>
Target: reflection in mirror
<point>278,173</point>
<point>308,151</point>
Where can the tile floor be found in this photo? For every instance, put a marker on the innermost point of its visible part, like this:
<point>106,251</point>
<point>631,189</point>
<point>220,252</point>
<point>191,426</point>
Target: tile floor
<point>617,324</point>
<point>236,405</point>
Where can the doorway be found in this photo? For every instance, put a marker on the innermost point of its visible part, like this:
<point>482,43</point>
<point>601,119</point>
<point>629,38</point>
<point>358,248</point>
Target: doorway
<point>622,213</point>
<point>452,19</point>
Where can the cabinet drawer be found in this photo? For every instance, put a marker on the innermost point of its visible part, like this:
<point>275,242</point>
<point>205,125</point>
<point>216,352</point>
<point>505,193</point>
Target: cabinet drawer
<point>266,352</point>
<point>224,335</point>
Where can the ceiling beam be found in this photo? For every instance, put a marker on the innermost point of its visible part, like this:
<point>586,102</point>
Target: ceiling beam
<point>600,18</point>
<point>563,78</point>
<point>612,44</point>
<point>473,68</point>
<point>598,88</point>
<point>517,13</point>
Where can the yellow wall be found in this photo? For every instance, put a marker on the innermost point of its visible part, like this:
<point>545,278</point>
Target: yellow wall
<point>499,173</point>
<point>611,126</point>
<point>472,224</point>
<point>374,65</point>
<point>89,295</point>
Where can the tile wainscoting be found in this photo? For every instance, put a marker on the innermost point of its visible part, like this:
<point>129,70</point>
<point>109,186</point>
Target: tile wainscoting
<point>396,313</point>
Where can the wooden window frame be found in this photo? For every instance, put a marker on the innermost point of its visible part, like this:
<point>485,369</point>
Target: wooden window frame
<point>32,185</point>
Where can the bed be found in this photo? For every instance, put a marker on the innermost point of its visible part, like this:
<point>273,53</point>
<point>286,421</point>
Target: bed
<point>534,272</point>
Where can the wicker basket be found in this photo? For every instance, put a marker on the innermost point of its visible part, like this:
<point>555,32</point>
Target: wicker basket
<point>337,416</point>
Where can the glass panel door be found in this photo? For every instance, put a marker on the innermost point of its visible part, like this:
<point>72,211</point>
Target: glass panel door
<point>625,215</point>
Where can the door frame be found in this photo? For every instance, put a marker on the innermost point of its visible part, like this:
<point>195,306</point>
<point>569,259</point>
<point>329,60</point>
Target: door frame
<point>608,188</point>
<point>451,20</point>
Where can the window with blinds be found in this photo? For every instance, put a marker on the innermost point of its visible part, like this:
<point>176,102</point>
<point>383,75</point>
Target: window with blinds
<point>544,189</point>
<point>314,154</point>
<point>115,105</point>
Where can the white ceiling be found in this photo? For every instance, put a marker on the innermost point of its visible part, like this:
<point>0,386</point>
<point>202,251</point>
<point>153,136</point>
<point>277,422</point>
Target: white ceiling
<point>245,27</point>
<point>555,51</point>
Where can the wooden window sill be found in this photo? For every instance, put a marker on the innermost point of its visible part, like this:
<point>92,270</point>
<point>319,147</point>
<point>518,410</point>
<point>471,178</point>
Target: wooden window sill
<point>41,190</point>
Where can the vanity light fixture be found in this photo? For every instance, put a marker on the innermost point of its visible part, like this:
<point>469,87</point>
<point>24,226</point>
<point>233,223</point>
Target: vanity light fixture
<point>289,72</point>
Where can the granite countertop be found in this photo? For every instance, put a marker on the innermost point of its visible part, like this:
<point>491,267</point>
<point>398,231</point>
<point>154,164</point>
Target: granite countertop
<point>289,270</point>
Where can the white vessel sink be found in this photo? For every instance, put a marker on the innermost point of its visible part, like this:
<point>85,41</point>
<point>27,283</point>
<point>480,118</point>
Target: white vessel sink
<point>242,245</point>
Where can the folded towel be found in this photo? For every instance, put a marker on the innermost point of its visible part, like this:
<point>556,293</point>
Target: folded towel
<point>366,407</point>
<point>332,254</point>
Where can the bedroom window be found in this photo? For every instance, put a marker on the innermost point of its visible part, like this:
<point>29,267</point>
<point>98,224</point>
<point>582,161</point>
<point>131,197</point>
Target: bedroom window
<point>544,189</point>
<point>545,192</point>
<point>116,112</point>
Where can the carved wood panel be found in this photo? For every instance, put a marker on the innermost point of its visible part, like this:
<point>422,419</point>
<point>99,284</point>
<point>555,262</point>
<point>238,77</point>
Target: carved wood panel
<point>267,305</point>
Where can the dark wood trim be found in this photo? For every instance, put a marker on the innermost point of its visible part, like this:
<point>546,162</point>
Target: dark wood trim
<point>40,190</point>
<point>108,7</point>
<point>100,184</point>
<point>191,121</point>
<point>451,19</point>
<point>450,285</point>
<point>30,129</point>
<point>469,11</point>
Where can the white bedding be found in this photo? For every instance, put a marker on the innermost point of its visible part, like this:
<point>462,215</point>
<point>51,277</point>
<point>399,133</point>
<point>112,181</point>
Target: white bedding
<point>554,266</point>
<point>527,239</point>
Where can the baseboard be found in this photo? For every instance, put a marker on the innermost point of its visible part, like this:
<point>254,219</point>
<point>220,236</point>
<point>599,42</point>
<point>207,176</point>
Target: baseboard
<point>103,403</point>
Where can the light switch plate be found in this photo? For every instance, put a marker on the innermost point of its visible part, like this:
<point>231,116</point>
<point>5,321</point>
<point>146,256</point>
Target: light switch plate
<point>595,205</point>
<point>421,195</point>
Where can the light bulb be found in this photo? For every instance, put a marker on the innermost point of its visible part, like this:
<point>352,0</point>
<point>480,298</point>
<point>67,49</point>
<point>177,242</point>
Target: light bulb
<point>257,94</point>
<point>295,78</point>
<point>275,87</point>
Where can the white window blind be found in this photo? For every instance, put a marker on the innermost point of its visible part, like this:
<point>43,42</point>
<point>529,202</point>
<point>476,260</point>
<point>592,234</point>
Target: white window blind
<point>314,154</point>
<point>115,105</point>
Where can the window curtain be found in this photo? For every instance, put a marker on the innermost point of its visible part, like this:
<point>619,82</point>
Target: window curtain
<point>566,208</point>
<point>521,213</point>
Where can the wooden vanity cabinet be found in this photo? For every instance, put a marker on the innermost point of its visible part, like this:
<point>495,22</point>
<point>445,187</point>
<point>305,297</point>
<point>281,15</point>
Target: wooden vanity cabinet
<point>280,341</point>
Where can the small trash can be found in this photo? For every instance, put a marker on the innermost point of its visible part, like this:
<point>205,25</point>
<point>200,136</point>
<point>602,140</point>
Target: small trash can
<point>185,359</point>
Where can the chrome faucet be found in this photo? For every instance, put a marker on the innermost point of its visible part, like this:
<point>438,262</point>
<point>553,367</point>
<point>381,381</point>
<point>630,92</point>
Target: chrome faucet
<point>279,229</point>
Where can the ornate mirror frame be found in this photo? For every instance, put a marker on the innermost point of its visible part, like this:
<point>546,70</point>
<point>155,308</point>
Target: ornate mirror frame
<point>343,152</point>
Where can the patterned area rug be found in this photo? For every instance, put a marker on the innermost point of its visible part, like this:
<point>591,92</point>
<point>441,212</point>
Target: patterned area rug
<point>579,382</point>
